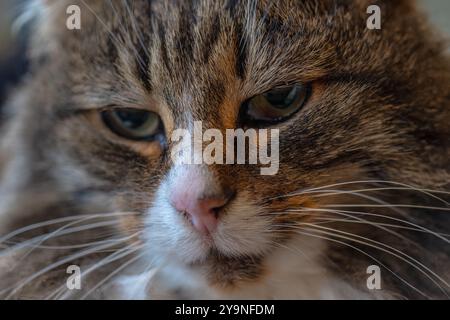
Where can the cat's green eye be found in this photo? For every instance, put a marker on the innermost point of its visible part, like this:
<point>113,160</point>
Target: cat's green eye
<point>133,124</point>
<point>277,104</point>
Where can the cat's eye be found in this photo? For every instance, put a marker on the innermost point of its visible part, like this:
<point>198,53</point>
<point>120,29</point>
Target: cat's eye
<point>133,124</point>
<point>277,104</point>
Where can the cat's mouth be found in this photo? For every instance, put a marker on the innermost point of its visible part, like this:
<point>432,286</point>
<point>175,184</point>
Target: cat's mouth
<point>227,272</point>
<point>217,253</point>
<point>212,251</point>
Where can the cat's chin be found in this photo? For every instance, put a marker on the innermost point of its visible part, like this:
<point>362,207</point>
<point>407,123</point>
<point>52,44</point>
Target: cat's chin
<point>208,254</point>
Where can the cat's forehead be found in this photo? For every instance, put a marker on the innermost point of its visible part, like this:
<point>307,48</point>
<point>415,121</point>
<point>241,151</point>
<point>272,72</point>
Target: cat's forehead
<point>200,49</point>
<point>204,54</point>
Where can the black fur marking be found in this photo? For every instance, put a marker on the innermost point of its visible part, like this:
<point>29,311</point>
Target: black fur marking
<point>185,40</point>
<point>241,52</point>
<point>162,41</point>
<point>211,39</point>
<point>143,68</point>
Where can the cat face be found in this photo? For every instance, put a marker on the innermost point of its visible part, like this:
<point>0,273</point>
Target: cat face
<point>109,96</point>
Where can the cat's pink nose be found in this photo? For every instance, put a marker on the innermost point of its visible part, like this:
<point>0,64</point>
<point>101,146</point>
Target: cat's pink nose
<point>201,211</point>
<point>196,193</point>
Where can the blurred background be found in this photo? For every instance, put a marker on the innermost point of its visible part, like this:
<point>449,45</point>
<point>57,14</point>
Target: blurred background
<point>12,59</point>
<point>13,63</point>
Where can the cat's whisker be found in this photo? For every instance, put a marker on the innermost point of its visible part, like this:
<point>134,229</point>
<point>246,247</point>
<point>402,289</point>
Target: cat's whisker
<point>324,219</point>
<point>429,192</point>
<point>127,32</point>
<point>110,258</point>
<point>116,255</point>
<point>113,233</point>
<point>60,293</point>
<point>332,220</point>
<point>391,206</point>
<point>119,44</point>
<point>371,198</point>
<point>358,191</point>
<point>70,258</point>
<point>349,216</point>
<point>350,213</point>
<point>301,231</point>
<point>151,272</point>
<point>30,242</point>
<point>385,248</point>
<point>112,274</point>
<point>113,8</point>
<point>367,222</point>
<point>73,246</point>
<point>61,220</point>
<point>295,250</point>
<point>58,231</point>
<point>380,202</point>
<point>135,27</point>
<point>371,243</point>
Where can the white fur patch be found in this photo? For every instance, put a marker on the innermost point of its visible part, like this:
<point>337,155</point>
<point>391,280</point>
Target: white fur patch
<point>241,231</point>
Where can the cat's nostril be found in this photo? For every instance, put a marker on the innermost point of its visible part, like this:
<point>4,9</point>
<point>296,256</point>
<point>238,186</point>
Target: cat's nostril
<point>203,212</point>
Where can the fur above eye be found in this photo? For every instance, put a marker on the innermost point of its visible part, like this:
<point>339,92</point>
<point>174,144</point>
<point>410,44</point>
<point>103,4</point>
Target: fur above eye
<point>277,104</point>
<point>133,124</point>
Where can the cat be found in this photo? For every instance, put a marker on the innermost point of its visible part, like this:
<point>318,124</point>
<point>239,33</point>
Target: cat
<point>357,210</point>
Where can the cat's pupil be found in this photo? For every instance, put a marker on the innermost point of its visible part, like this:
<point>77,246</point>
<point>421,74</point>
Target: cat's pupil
<point>282,98</point>
<point>133,119</point>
